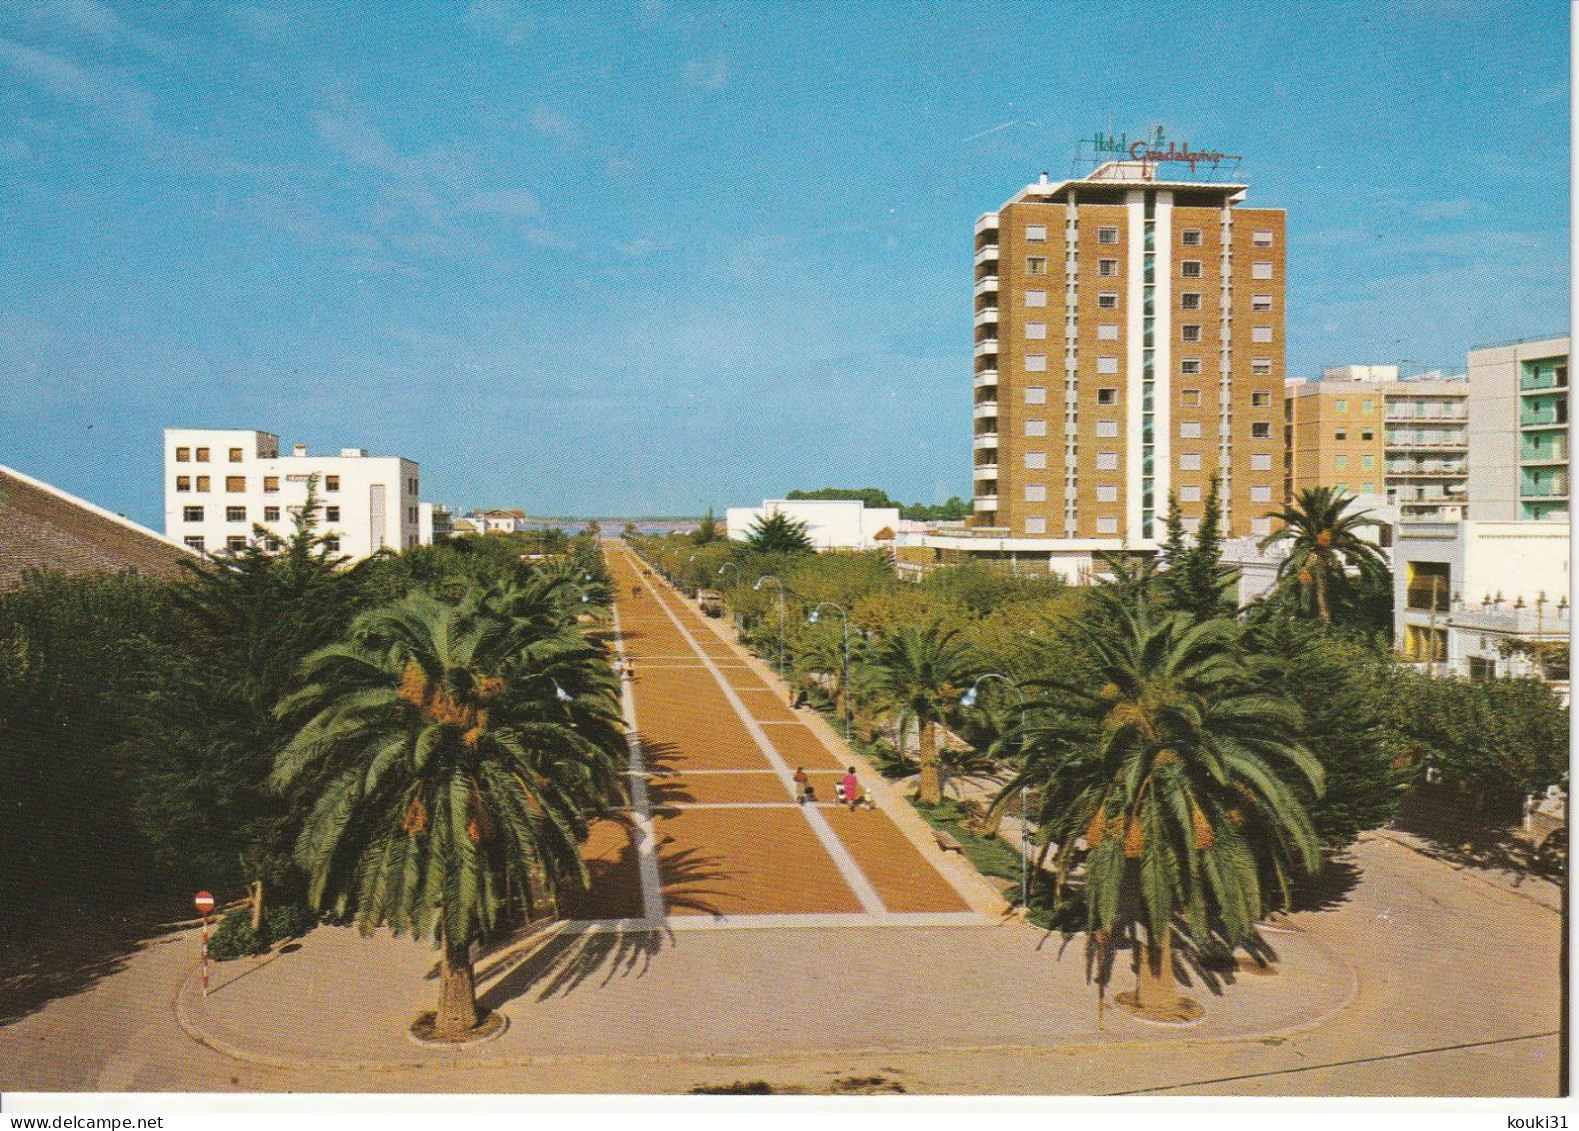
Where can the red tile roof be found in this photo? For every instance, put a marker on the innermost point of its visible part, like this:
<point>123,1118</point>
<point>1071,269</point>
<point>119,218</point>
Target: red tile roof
<point>42,527</point>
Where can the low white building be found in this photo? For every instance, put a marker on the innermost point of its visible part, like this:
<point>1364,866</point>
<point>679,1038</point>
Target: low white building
<point>1477,599</point>
<point>832,524</point>
<point>499,521</point>
<point>219,484</point>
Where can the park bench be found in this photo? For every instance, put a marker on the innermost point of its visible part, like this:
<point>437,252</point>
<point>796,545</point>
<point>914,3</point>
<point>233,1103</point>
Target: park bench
<point>947,842</point>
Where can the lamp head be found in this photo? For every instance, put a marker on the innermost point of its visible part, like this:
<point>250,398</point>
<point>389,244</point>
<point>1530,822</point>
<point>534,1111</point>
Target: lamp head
<point>968,699</point>
<point>757,586</point>
<point>811,617</point>
<point>560,693</point>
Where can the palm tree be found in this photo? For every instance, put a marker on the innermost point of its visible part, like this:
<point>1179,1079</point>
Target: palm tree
<point>918,673</point>
<point>1171,766</point>
<point>451,746</point>
<point>1324,542</point>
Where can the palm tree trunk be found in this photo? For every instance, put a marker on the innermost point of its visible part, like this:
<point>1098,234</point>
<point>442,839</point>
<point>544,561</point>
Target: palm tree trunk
<point>931,783</point>
<point>1155,989</point>
<point>257,905</point>
<point>1321,592</point>
<point>457,1012</point>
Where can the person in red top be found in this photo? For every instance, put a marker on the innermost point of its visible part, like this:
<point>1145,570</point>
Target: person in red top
<point>852,788</point>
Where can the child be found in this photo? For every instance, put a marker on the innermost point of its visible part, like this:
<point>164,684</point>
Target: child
<point>803,792</point>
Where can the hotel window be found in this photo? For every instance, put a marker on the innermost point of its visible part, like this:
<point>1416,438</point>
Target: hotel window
<point>1368,463</point>
<point>1107,365</point>
<point>1260,527</point>
<point>235,455</point>
<point>1189,494</point>
<point>1260,367</point>
<point>1035,461</point>
<point>1260,303</point>
<point>1035,298</point>
<point>271,514</point>
<point>1189,429</point>
<point>1189,461</point>
<point>1260,270</point>
<point>1036,331</point>
<point>183,482</point>
<point>1367,407</point>
<point>1035,493</point>
<point>1367,435</point>
<point>1340,406</point>
<point>1190,398</point>
<point>1261,431</point>
<point>183,455</point>
<point>194,542</point>
<point>1107,332</point>
<point>331,514</point>
<point>271,484</point>
<point>1190,268</point>
<point>331,482</point>
<point>273,545</point>
<point>1340,434</point>
<point>1190,366</point>
<point>1036,265</point>
<point>1260,494</point>
<point>411,514</point>
<point>1340,463</point>
<point>235,483</point>
<point>1261,239</point>
<point>191,514</point>
<point>202,455</point>
<point>1107,268</point>
<point>1036,526</point>
<point>1107,526</point>
<point>1262,335</point>
<point>1260,400</point>
<point>236,543</point>
<point>1107,461</point>
<point>235,514</point>
<point>202,482</point>
<point>332,544</point>
<point>1107,493</point>
<point>1107,234</point>
<point>1190,237</point>
<point>1107,300</point>
<point>1190,333</point>
<point>1107,429</point>
<point>1036,394</point>
<point>1107,396</point>
<point>1261,462</point>
<point>1190,300</point>
<point>1036,363</point>
<point>1036,427</point>
<point>1036,232</point>
<point>1368,487</point>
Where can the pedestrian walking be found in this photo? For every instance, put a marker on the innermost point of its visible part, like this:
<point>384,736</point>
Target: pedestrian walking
<point>852,788</point>
<point>803,791</point>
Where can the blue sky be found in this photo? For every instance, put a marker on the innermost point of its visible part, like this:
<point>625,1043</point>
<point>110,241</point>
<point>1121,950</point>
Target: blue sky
<point>652,256</point>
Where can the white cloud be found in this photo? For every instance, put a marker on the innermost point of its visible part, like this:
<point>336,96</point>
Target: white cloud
<point>709,73</point>
<point>509,21</point>
<point>552,123</point>
<point>96,88</point>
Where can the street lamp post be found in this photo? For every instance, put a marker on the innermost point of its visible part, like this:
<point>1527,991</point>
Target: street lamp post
<point>844,672</point>
<point>757,587</point>
<point>969,700</point>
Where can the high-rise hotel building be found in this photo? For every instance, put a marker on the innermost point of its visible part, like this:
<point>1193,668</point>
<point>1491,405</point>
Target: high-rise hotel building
<point>1129,344</point>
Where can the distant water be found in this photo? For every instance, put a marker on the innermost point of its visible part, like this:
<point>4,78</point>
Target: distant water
<point>611,527</point>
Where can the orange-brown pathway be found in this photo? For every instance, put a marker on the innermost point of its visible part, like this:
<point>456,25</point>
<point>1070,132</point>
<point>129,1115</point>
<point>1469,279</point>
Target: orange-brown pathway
<point>714,835</point>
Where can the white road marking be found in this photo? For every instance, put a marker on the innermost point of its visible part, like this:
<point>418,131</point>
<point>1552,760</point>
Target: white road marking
<point>646,840</point>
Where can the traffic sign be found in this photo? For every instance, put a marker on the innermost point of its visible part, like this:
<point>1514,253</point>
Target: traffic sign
<point>204,902</point>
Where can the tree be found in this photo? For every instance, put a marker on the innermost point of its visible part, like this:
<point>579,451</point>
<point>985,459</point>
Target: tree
<point>778,533</point>
<point>1324,543</point>
<point>451,745</point>
<point>1173,767</point>
<point>707,530</point>
<point>919,672</point>
<point>594,529</point>
<point>1195,580</point>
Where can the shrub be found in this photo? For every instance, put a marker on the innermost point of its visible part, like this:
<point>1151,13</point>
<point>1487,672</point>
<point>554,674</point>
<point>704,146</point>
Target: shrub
<point>235,938</point>
<point>287,921</point>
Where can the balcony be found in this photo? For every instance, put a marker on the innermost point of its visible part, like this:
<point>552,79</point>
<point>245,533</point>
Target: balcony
<point>986,471</point>
<point>1438,442</point>
<point>1547,418</point>
<point>986,379</point>
<point>987,440</point>
<point>987,316</point>
<point>987,254</point>
<point>1538,382</point>
<point>987,284</point>
<point>987,410</point>
<point>1399,416</point>
<point>1425,471</point>
<point>987,503</point>
<point>986,222</point>
<point>989,346</point>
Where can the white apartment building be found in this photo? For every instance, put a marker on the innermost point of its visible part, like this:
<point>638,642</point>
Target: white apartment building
<point>221,484</point>
<point>1518,430</point>
<point>831,524</point>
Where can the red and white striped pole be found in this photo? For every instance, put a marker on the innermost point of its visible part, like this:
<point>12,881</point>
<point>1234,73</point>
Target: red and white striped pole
<point>204,903</point>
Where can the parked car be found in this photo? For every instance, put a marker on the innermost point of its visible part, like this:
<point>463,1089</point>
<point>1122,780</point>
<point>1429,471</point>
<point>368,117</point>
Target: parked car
<point>711,602</point>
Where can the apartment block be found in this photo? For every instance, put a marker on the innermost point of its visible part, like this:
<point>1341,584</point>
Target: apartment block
<point>221,485</point>
<point>1128,344</point>
<point>1363,430</point>
<point>1518,430</point>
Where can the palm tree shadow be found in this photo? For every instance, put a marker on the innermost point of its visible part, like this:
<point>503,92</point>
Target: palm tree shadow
<point>658,757</point>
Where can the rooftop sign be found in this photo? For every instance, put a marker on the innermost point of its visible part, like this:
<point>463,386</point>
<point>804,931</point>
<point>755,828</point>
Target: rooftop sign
<point>1153,148</point>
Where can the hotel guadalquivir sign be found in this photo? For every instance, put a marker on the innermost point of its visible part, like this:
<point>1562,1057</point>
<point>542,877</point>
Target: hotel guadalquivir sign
<point>1151,149</point>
